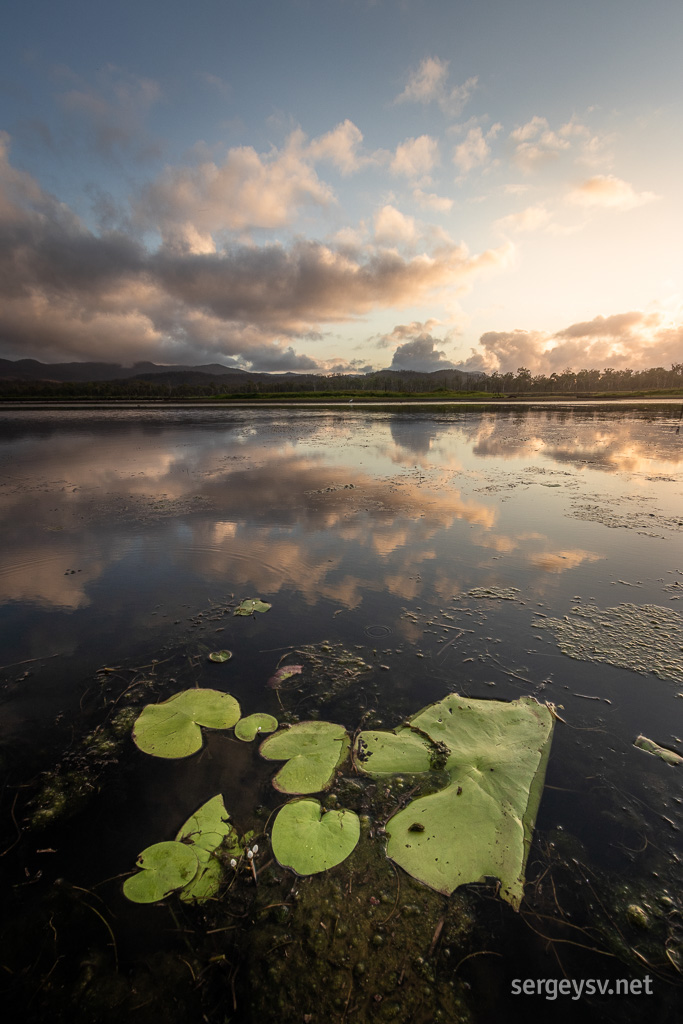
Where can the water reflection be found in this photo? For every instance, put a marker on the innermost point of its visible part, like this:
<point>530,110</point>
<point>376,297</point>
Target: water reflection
<point>332,505</point>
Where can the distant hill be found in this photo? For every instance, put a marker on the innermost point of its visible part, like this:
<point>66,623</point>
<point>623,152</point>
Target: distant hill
<point>32,369</point>
<point>18,376</point>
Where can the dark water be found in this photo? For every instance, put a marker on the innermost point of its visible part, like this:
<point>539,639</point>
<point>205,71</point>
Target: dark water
<point>130,534</point>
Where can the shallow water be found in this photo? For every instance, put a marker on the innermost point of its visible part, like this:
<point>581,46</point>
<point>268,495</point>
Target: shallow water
<point>130,533</point>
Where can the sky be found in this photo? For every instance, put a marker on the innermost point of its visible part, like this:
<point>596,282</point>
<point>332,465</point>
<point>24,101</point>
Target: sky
<point>343,185</point>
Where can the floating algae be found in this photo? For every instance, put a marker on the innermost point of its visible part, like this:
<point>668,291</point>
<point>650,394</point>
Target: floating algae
<point>497,593</point>
<point>642,638</point>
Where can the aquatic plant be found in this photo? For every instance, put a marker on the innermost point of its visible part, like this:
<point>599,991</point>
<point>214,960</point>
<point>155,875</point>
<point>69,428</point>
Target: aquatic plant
<point>172,728</point>
<point>670,756</point>
<point>480,825</point>
<point>308,839</point>
<point>312,750</point>
<point>249,728</point>
<point>251,605</point>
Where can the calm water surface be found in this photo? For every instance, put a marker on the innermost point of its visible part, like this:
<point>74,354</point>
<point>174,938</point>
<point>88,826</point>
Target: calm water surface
<point>129,533</point>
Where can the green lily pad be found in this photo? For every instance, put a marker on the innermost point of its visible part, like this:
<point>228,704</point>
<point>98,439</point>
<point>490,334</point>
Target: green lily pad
<point>390,753</point>
<point>251,605</point>
<point>250,727</point>
<point>670,756</point>
<point>220,656</point>
<point>172,728</point>
<point>205,831</point>
<point>482,823</point>
<point>165,868</point>
<point>312,750</point>
<point>308,840</point>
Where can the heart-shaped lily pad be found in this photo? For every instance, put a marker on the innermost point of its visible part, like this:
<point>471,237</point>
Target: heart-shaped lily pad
<point>251,605</point>
<point>312,749</point>
<point>308,840</point>
<point>220,656</point>
<point>252,726</point>
<point>166,867</point>
<point>206,830</point>
<point>172,728</point>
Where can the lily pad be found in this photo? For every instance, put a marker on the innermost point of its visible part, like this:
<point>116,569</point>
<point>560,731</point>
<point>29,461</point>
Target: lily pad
<point>251,605</point>
<point>250,727</point>
<point>172,728</point>
<point>165,868</point>
<point>481,824</point>
<point>220,656</point>
<point>309,840</point>
<point>670,756</point>
<point>389,753</point>
<point>205,831</point>
<point>312,750</point>
<point>285,672</point>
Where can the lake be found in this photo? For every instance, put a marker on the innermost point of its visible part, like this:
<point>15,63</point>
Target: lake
<point>407,553</point>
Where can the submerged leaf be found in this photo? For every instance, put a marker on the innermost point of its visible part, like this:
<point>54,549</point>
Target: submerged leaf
<point>481,823</point>
<point>670,756</point>
<point>312,750</point>
<point>250,605</point>
<point>165,867</point>
<point>279,676</point>
<point>308,840</point>
<point>172,728</point>
<point>220,656</point>
<point>250,727</point>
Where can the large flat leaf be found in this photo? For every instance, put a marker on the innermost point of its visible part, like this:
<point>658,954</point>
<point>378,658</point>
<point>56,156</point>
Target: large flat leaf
<point>309,840</point>
<point>481,824</point>
<point>312,750</point>
<point>164,868</point>
<point>172,728</point>
<point>389,753</point>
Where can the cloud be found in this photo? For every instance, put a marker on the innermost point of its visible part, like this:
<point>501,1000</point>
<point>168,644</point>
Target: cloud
<point>430,201</point>
<point>536,144</point>
<point>415,158</point>
<point>428,84</point>
<point>340,147</point>
<point>608,192</point>
<point>68,292</point>
<point>634,340</point>
<point>114,111</point>
<point>392,226</point>
<point>419,351</point>
<point>531,219</point>
<point>475,150</point>
<point>189,205</point>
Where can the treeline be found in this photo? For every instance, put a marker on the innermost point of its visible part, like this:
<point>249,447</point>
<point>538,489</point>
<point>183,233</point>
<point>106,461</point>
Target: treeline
<point>656,378</point>
<point>182,385</point>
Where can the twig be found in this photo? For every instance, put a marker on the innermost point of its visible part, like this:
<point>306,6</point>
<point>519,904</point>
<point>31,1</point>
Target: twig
<point>481,952</point>
<point>436,936</point>
<point>19,832</point>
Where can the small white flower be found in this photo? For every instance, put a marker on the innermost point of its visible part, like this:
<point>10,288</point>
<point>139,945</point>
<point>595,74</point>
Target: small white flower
<point>250,855</point>
<point>233,863</point>
<point>254,848</point>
